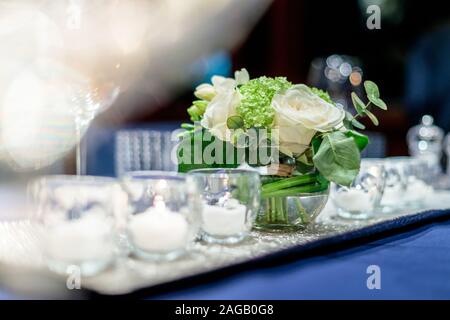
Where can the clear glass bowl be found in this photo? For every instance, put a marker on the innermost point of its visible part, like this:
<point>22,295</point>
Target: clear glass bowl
<point>292,213</point>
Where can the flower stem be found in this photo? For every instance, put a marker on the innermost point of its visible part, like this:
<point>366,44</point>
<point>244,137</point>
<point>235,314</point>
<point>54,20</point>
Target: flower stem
<point>367,107</point>
<point>301,211</point>
<point>308,188</point>
<point>280,210</point>
<point>289,182</point>
<point>273,210</point>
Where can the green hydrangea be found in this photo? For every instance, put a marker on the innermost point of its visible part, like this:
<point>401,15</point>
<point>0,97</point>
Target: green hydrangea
<point>322,94</point>
<point>255,107</point>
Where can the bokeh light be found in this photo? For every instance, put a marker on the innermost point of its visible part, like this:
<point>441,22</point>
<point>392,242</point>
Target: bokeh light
<point>66,60</point>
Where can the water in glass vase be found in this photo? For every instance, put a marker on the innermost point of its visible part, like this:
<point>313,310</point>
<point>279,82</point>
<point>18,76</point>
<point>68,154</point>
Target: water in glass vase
<point>290,213</point>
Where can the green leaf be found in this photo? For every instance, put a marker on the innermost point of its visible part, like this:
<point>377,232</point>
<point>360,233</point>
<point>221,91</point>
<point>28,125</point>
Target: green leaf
<point>348,116</point>
<point>358,104</point>
<point>371,89</point>
<point>187,151</point>
<point>372,117</point>
<point>378,102</point>
<point>361,140</point>
<point>373,94</point>
<point>348,120</point>
<point>235,122</point>
<point>338,158</point>
<point>357,124</point>
<point>315,143</point>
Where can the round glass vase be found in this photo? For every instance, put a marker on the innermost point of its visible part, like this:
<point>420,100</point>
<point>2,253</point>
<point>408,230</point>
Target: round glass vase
<point>290,213</point>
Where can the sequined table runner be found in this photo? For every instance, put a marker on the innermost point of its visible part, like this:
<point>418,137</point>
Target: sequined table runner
<point>19,248</point>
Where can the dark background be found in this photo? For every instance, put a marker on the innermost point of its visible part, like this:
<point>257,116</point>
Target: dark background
<point>294,32</point>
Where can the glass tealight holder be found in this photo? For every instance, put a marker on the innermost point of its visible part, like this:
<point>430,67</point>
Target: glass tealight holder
<point>164,217</point>
<point>76,214</point>
<point>231,199</point>
<point>425,142</point>
<point>395,176</point>
<point>362,198</point>
<point>413,173</point>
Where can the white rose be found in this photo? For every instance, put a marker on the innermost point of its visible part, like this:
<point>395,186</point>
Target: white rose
<point>299,114</point>
<point>223,104</point>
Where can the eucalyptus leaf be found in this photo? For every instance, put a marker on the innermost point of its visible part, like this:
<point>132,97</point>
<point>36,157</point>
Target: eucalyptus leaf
<point>378,102</point>
<point>348,116</point>
<point>235,122</point>
<point>372,117</point>
<point>357,124</point>
<point>371,89</point>
<point>338,158</point>
<point>347,121</point>
<point>358,104</point>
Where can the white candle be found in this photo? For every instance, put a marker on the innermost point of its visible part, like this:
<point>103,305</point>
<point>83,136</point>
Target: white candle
<point>224,221</point>
<point>85,239</point>
<point>159,230</point>
<point>354,200</point>
<point>417,190</point>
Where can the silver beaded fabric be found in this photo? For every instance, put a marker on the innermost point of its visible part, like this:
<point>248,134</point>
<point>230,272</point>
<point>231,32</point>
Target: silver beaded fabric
<point>19,249</point>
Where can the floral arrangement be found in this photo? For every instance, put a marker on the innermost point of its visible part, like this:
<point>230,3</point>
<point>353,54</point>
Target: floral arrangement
<point>317,142</point>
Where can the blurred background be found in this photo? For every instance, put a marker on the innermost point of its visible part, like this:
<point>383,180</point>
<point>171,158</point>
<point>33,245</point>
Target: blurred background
<point>111,69</point>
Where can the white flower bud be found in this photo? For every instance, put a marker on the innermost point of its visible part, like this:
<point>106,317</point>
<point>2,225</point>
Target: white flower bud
<point>205,91</point>
<point>241,76</point>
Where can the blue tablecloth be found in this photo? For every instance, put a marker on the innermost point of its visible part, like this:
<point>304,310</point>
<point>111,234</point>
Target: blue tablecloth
<point>413,265</point>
